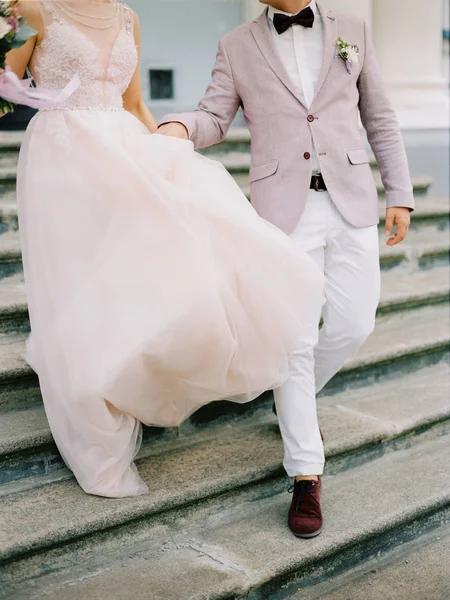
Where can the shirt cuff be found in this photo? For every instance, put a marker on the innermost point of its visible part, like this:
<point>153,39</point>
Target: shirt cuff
<point>399,199</point>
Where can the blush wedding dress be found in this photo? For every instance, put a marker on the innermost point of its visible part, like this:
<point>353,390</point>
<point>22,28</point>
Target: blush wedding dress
<point>153,286</point>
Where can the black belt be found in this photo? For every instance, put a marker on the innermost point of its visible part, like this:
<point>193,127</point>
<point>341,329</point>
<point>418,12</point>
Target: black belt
<point>317,183</point>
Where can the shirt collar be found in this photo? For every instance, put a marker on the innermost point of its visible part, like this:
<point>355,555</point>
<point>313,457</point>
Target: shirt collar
<point>272,11</point>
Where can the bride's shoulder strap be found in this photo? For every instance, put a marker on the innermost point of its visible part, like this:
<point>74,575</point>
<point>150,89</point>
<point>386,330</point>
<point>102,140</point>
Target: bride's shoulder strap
<point>47,9</point>
<point>128,18</point>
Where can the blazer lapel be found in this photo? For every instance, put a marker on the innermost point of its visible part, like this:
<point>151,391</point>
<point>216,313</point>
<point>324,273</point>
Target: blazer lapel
<point>263,37</point>
<point>330,38</point>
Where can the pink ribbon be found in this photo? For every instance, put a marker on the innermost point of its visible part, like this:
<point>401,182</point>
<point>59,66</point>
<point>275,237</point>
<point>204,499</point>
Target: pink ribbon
<point>12,89</point>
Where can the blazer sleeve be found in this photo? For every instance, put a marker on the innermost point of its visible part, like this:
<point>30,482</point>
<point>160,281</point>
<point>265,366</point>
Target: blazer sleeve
<point>209,124</point>
<point>383,131</point>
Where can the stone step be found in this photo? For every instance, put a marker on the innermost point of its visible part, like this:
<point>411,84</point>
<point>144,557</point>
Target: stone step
<point>8,212</point>
<point>425,246</point>
<point>398,337</point>
<point>416,570</point>
<point>28,456</point>
<point>433,210</point>
<point>236,145</point>
<point>235,544</point>
<point>402,340</point>
<point>401,289</point>
<point>401,343</point>
<point>421,184</point>
<point>8,175</point>
<point>10,143</point>
<point>10,254</point>
<point>13,305</point>
<point>402,334</point>
<point>237,140</point>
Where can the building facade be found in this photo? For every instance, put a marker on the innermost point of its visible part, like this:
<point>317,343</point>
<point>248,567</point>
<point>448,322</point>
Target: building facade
<point>180,41</point>
<point>411,37</point>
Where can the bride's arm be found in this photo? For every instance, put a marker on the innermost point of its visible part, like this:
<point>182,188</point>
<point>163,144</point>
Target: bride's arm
<point>133,99</point>
<point>19,59</point>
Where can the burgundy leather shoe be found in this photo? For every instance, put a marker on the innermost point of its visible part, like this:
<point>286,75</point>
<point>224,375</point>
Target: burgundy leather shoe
<point>305,514</point>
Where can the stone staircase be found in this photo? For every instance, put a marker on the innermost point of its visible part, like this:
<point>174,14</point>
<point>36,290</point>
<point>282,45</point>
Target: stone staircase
<point>214,523</point>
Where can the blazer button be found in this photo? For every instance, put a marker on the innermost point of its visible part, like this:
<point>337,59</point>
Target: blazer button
<point>307,156</point>
<point>310,118</point>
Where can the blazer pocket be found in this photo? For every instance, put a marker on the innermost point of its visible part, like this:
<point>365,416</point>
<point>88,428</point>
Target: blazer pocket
<point>358,156</point>
<point>263,170</point>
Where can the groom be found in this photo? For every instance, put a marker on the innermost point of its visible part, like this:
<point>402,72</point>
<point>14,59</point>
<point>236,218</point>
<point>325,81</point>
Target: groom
<point>302,95</point>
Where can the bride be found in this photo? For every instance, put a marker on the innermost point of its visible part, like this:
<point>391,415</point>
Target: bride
<point>153,286</point>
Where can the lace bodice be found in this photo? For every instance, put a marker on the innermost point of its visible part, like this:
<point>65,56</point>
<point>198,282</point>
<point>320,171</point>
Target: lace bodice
<point>99,47</point>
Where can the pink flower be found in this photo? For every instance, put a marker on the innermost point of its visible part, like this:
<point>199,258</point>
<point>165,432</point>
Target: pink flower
<point>14,23</point>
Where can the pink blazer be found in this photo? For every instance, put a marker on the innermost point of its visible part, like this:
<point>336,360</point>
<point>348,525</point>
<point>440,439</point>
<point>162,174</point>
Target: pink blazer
<point>249,73</point>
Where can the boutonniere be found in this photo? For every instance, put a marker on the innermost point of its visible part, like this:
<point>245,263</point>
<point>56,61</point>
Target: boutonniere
<point>348,53</point>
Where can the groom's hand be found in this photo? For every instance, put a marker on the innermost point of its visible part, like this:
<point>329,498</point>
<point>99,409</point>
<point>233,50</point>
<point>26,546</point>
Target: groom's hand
<point>177,130</point>
<point>401,217</point>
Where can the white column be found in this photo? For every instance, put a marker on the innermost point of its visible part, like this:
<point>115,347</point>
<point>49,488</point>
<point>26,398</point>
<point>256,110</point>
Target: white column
<point>408,39</point>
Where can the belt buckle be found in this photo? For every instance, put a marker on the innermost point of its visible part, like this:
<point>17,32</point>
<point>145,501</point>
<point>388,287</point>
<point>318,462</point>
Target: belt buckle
<point>316,184</point>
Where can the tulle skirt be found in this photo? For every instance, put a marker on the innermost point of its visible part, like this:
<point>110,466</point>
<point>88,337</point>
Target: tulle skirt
<point>153,287</point>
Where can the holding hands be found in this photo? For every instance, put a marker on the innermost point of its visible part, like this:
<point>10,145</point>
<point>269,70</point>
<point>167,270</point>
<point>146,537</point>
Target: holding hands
<point>174,130</point>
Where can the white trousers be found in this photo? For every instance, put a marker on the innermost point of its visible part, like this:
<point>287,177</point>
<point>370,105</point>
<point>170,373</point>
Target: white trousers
<point>349,257</point>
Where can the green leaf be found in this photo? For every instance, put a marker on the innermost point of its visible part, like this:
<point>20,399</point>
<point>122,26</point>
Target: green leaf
<point>6,107</point>
<point>16,44</point>
<point>24,34</point>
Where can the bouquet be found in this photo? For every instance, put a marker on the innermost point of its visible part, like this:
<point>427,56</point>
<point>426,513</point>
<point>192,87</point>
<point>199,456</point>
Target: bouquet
<point>13,34</point>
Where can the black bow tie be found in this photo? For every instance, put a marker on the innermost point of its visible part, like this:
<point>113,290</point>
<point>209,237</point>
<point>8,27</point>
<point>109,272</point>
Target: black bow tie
<point>283,22</point>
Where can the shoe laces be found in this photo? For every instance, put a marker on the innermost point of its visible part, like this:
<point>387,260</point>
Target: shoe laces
<point>301,488</point>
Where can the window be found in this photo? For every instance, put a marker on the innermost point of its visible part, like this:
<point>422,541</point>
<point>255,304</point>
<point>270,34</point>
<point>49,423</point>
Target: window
<point>161,84</point>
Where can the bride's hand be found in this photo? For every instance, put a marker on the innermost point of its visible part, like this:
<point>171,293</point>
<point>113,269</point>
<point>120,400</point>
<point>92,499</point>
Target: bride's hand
<point>177,130</point>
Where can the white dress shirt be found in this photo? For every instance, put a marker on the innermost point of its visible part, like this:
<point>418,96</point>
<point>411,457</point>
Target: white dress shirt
<point>301,51</point>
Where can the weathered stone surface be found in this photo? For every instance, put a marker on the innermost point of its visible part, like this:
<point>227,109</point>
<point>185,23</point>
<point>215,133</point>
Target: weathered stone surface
<point>61,511</point>
<point>228,549</point>
<point>424,242</point>
<point>398,288</point>
<point>12,294</point>
<point>396,335</point>
<point>8,173</point>
<point>10,246</point>
<point>214,523</point>
<point>23,430</point>
<point>12,363</point>
<point>404,333</point>
<point>432,209</point>
<point>418,570</point>
<point>401,404</point>
<point>202,464</point>
<point>403,287</point>
<point>350,420</point>
<point>425,207</point>
<point>11,139</point>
